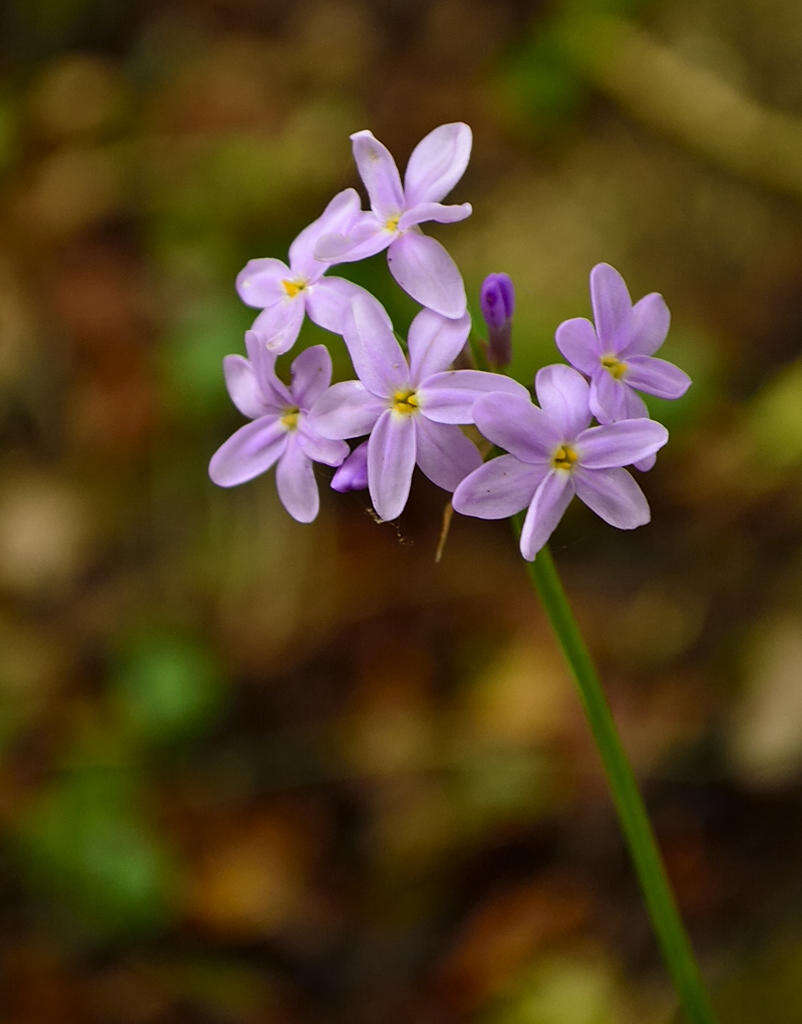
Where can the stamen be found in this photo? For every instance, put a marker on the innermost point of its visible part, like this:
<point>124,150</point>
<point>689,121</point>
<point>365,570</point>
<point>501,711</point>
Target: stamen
<point>290,417</point>
<point>391,224</point>
<point>293,287</point>
<point>614,366</point>
<point>564,457</point>
<point>405,402</point>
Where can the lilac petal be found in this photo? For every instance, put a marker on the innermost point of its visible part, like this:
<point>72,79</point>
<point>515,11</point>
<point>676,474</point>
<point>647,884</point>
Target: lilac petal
<point>550,500</point>
<point>319,448</point>
<point>379,174</point>
<point>437,163</point>
<point>336,218</point>
<point>391,460</point>
<point>513,422</point>
<point>577,341</point>
<point>634,406</point>
<point>250,451</point>
<point>499,488</point>
<point>434,343</point>
<point>444,453</point>
<point>280,324</point>
<point>375,353</point>
<point>644,465</point>
<point>612,307</point>
<point>259,283</point>
<point>450,397</point>
<point>563,394</point>
<point>656,377</point>
<point>353,473</point>
<point>609,398</point>
<point>297,487</point>
<point>328,300</point>
<point>263,362</point>
<point>244,389</point>
<point>425,271</point>
<point>613,495</point>
<point>423,212</point>
<point>619,444</point>
<point>648,325</point>
<point>311,375</point>
<point>347,409</point>
<point>366,236</point>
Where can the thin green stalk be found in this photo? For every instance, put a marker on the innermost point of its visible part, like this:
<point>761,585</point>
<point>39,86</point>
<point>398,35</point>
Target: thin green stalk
<point>654,883</point>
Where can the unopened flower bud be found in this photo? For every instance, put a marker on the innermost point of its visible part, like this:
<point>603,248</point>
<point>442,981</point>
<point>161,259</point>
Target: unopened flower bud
<point>497,300</point>
<point>353,473</point>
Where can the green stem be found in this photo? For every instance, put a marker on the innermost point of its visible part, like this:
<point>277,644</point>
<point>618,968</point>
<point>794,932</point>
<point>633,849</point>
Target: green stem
<point>637,830</point>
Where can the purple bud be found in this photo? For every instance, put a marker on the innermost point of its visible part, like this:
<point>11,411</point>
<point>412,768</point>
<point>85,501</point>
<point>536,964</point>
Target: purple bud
<point>353,473</point>
<point>497,300</point>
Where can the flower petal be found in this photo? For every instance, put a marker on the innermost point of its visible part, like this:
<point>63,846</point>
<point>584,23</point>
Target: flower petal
<point>377,357</point>
<point>379,174</point>
<point>328,300</point>
<point>280,324</point>
<point>444,453</point>
<point>450,397</point>
<point>609,398</point>
<point>563,394</point>
<point>577,341</point>
<point>425,271</point>
<point>514,423</point>
<point>437,163</point>
<point>422,212</point>
<point>634,406</point>
<point>656,377</point>
<point>499,488</point>
<point>250,451</point>
<point>336,218</point>
<point>644,465</point>
<point>244,389</point>
<point>434,343</point>
<point>366,236</point>
<point>550,500</point>
<point>391,460</point>
<point>353,473</point>
<point>619,444</point>
<point>311,375</point>
<point>259,283</point>
<point>612,307</point>
<point>614,495</point>
<point>263,363</point>
<point>319,448</point>
<point>297,487</point>
<point>648,325</point>
<point>347,409</point>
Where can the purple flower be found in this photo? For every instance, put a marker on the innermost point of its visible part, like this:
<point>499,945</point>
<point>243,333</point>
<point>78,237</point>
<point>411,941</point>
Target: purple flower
<point>285,293</point>
<point>554,455</point>
<point>280,431</point>
<point>353,473</point>
<point>410,411</point>
<point>497,302</point>
<point>419,264</point>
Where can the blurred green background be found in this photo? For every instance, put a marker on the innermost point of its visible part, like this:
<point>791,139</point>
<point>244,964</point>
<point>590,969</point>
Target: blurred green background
<point>252,771</point>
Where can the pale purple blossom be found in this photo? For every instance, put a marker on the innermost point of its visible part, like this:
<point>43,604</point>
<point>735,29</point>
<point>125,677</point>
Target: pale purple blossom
<point>280,431</point>
<point>617,354</point>
<point>286,293</point>
<point>419,264</point>
<point>353,473</point>
<point>411,410</point>
<point>555,454</point>
<point>497,302</point>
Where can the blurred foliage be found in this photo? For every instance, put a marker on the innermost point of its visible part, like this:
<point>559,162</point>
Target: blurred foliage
<point>252,771</point>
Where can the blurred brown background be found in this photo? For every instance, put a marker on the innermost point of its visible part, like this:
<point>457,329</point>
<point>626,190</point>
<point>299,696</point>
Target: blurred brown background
<point>252,771</point>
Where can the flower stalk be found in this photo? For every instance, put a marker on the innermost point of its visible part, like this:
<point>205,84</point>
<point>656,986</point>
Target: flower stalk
<point>657,893</point>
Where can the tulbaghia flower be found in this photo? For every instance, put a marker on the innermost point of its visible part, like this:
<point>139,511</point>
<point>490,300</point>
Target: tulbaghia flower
<point>286,293</point>
<point>554,455</point>
<point>419,264</point>
<point>353,473</point>
<point>411,411</point>
<point>497,302</point>
<point>280,431</point>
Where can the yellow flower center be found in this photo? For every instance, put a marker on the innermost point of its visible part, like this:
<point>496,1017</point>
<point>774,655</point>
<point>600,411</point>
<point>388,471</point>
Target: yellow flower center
<point>293,287</point>
<point>290,417</point>
<point>391,224</point>
<point>405,402</point>
<point>614,366</point>
<point>564,457</point>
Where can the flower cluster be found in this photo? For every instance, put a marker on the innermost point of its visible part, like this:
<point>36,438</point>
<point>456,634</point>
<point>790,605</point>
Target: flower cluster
<point>411,406</point>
